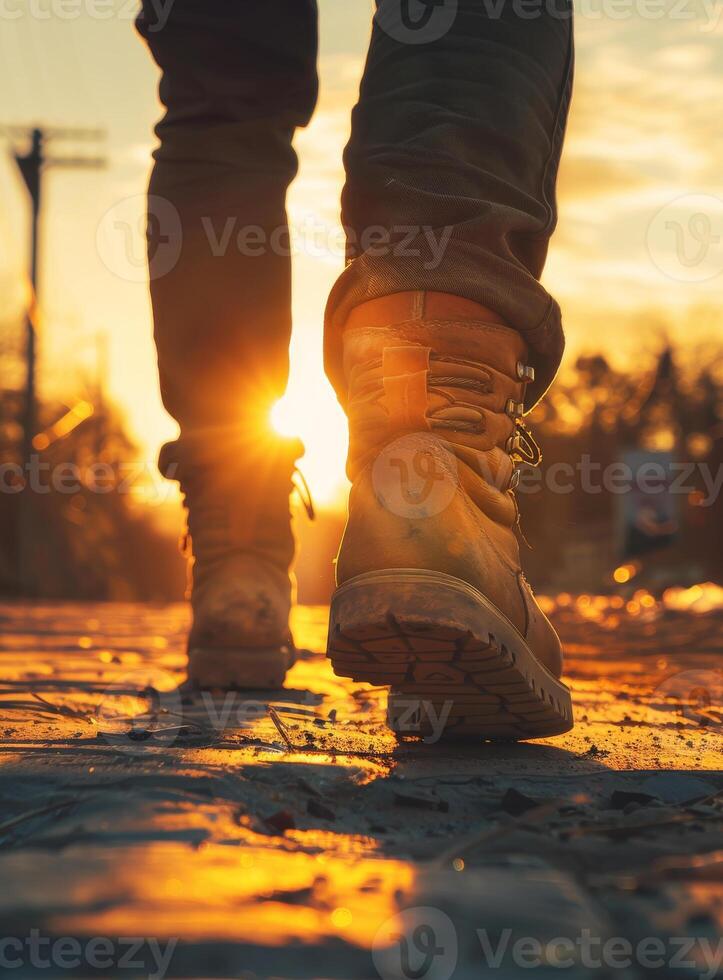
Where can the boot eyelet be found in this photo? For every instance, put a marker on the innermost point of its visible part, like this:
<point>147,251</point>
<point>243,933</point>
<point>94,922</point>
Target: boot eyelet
<point>514,409</point>
<point>525,372</point>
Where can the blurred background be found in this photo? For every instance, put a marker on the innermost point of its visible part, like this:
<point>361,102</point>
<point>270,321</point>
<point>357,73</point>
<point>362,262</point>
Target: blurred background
<point>637,265</point>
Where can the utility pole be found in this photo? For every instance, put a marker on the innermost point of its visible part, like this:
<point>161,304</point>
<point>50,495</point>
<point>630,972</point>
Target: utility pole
<point>31,168</point>
<point>32,165</point>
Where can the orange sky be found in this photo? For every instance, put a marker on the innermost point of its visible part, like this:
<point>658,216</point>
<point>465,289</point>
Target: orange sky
<point>640,197</point>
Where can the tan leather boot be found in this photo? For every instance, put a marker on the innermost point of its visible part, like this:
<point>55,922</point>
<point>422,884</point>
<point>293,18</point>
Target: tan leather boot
<point>431,598</point>
<point>240,547</point>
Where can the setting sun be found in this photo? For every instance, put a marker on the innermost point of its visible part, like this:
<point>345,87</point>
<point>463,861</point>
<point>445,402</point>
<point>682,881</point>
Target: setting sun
<point>309,410</point>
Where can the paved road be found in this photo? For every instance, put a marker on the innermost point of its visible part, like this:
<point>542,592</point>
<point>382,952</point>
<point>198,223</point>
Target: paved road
<point>289,835</point>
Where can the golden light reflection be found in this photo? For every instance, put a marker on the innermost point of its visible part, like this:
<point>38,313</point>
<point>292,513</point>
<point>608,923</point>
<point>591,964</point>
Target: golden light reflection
<point>350,897</point>
<point>706,597</point>
<point>624,573</point>
<point>81,411</point>
<point>702,598</point>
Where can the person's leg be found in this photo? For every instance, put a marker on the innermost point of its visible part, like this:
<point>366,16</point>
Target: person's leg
<point>461,136</point>
<point>436,343</point>
<point>237,79</point>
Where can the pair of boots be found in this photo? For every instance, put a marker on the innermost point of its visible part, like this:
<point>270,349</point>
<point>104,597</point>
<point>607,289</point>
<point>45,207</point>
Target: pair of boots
<point>431,599</point>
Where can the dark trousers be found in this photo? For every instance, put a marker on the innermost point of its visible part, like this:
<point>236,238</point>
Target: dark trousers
<point>456,141</point>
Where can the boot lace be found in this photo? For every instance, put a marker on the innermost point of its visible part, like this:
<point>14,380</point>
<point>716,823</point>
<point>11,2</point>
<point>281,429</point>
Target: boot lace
<point>303,493</point>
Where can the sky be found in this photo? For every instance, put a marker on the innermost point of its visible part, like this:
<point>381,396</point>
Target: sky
<point>638,253</point>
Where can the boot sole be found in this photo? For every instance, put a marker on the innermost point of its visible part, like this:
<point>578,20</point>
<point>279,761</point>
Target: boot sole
<point>448,653</point>
<point>236,668</point>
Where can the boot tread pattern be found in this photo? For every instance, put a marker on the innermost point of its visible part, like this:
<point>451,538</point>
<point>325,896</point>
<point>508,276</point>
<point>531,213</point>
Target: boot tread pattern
<point>483,686</point>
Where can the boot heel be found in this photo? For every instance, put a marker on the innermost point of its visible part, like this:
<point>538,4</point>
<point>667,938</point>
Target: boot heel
<point>239,668</point>
<point>448,653</point>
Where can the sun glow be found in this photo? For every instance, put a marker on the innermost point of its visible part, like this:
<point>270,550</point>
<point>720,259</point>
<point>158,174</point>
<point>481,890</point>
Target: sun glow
<point>309,410</point>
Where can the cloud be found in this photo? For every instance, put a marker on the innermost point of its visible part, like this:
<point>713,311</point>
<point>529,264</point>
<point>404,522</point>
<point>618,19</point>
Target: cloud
<point>643,133</point>
<point>585,176</point>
